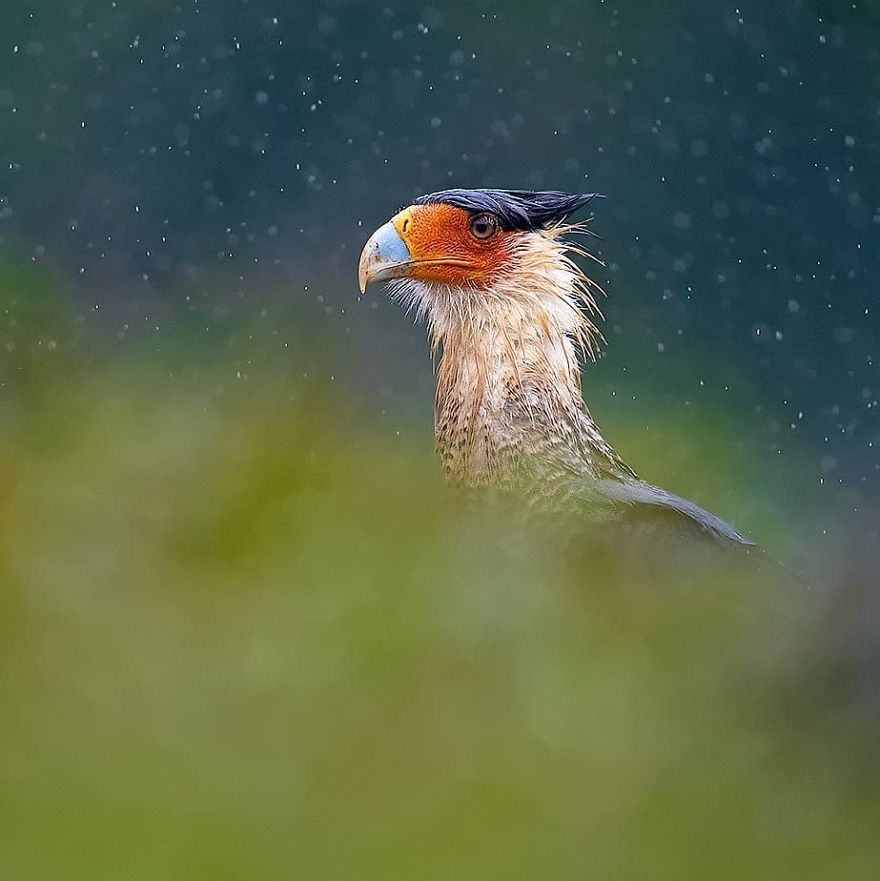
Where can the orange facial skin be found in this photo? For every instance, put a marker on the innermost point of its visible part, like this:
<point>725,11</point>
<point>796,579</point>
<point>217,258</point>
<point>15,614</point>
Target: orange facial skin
<point>443,249</point>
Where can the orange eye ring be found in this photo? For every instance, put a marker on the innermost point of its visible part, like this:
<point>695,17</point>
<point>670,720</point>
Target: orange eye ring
<point>484,226</point>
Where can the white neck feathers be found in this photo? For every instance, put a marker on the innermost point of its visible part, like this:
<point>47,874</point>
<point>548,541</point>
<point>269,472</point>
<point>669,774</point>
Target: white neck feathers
<point>509,368</point>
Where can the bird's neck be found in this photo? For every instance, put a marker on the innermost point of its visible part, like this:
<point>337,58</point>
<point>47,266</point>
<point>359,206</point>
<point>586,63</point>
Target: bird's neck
<point>509,399</point>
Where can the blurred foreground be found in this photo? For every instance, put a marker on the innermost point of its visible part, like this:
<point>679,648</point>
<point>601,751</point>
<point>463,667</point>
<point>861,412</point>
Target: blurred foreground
<point>243,637</point>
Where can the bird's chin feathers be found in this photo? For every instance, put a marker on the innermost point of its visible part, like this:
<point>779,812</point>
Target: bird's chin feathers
<point>541,294</point>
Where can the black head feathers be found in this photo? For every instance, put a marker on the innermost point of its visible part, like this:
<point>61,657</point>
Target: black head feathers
<point>515,209</point>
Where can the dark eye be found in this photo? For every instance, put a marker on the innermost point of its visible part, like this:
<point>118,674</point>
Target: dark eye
<point>484,226</point>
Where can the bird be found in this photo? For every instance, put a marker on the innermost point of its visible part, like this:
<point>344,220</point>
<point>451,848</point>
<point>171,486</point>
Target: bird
<point>510,319</point>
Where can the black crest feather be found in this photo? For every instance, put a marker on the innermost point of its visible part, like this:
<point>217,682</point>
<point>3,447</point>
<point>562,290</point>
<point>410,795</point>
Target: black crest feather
<point>515,209</point>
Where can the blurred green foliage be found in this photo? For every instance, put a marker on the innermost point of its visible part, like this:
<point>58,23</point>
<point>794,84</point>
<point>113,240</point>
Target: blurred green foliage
<point>245,633</point>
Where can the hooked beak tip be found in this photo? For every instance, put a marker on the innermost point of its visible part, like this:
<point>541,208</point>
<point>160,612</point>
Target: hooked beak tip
<point>385,256</point>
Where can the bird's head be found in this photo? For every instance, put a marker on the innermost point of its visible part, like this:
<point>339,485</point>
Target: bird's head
<point>500,249</point>
<point>464,238</point>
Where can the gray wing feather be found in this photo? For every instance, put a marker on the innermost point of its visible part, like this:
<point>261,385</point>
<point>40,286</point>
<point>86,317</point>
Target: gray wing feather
<point>637,492</point>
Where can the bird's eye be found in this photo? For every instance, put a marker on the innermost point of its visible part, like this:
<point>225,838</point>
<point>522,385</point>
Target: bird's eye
<point>484,226</point>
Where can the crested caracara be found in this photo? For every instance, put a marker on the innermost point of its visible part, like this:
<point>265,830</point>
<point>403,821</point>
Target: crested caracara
<point>509,315</point>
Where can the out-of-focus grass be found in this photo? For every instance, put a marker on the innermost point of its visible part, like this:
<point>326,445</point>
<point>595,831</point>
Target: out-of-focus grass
<point>242,636</point>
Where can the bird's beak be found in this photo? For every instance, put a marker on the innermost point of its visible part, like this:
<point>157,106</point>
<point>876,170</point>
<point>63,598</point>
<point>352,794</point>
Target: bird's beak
<point>385,256</point>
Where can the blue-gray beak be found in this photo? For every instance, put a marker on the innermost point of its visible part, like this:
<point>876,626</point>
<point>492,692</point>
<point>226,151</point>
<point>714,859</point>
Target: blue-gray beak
<point>384,256</point>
